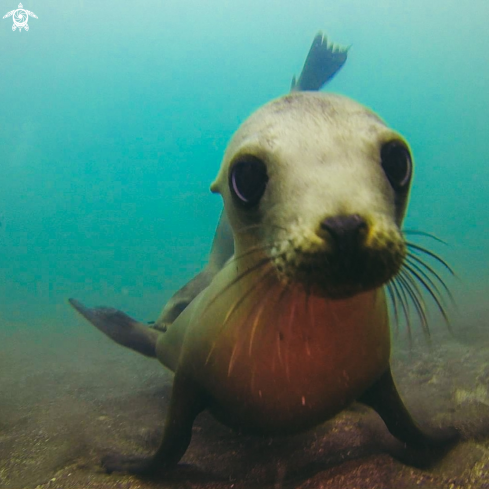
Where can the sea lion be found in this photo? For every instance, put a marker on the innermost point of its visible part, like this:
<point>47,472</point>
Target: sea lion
<point>324,60</point>
<point>295,326</point>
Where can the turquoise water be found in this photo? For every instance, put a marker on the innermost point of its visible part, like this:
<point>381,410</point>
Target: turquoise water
<point>114,118</point>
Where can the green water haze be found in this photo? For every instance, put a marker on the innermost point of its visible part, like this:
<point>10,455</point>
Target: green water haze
<point>114,118</point>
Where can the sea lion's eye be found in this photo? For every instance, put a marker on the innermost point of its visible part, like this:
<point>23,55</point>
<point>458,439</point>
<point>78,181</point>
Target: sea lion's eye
<point>397,164</point>
<point>248,180</point>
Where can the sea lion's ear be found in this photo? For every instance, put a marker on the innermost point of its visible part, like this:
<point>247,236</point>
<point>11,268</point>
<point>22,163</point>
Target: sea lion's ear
<point>214,187</point>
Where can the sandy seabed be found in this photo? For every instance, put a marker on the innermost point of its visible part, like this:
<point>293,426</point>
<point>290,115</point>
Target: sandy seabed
<point>66,399</point>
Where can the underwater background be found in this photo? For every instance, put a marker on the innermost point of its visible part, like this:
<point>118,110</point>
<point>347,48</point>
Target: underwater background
<point>114,118</point>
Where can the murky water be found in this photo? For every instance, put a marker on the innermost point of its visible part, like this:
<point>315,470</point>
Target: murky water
<point>114,118</point>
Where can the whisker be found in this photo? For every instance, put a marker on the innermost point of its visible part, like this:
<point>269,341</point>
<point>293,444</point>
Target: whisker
<point>393,300</point>
<point>261,225</point>
<point>308,311</point>
<point>411,296</point>
<point>235,306</point>
<point>252,312</point>
<point>240,300</point>
<point>427,287</point>
<point>433,255</point>
<point>416,298</point>
<point>283,293</point>
<point>256,321</point>
<point>417,270</point>
<point>288,333</point>
<point>243,274</point>
<point>254,249</point>
<point>417,263</point>
<point>415,232</point>
<point>401,295</point>
<point>232,359</point>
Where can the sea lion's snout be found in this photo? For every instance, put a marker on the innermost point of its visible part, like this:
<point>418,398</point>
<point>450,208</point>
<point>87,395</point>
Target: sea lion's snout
<point>345,232</point>
<point>342,256</point>
<point>346,257</point>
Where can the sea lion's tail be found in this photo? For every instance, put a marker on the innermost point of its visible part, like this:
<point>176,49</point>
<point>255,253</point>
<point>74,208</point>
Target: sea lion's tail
<point>322,63</point>
<point>120,327</point>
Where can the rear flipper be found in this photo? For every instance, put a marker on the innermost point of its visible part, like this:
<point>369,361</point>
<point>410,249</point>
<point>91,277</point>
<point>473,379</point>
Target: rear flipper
<point>421,448</point>
<point>120,327</point>
<point>322,63</point>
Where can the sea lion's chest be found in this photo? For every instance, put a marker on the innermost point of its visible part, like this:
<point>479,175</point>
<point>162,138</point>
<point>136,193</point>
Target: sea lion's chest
<point>283,366</point>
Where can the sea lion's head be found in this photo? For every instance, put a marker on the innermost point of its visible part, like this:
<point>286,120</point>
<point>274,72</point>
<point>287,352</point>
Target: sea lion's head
<point>319,184</point>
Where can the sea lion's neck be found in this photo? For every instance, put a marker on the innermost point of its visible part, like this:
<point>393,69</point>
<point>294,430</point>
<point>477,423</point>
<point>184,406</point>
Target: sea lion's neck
<point>273,338</point>
<point>284,319</point>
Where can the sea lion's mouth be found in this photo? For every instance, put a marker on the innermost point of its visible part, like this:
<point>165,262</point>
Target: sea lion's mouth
<point>339,275</point>
<point>344,256</point>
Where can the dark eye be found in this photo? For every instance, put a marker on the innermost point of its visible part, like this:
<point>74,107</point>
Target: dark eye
<point>397,165</point>
<point>248,180</point>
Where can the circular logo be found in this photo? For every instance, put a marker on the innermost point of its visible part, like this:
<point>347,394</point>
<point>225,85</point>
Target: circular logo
<point>20,18</point>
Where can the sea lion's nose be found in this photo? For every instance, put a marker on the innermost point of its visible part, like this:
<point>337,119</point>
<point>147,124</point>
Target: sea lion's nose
<point>344,230</point>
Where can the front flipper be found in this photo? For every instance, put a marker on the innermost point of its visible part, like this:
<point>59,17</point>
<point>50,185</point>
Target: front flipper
<point>120,327</point>
<point>187,401</point>
<point>384,398</point>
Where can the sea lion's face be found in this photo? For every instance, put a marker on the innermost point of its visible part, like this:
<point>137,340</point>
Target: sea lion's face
<point>320,184</point>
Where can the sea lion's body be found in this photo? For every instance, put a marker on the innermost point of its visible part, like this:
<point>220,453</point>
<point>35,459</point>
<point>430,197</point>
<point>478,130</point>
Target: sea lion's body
<point>292,374</point>
<point>294,359</point>
<point>294,327</point>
